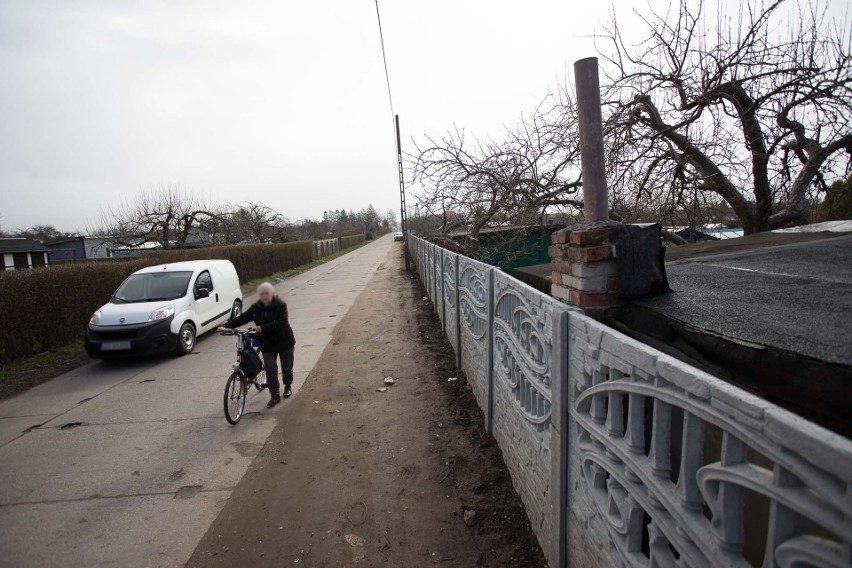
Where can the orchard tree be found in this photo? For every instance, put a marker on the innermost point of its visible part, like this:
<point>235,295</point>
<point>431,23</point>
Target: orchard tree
<point>753,108</point>
<point>254,223</point>
<point>43,233</point>
<point>168,216</point>
<point>508,180</point>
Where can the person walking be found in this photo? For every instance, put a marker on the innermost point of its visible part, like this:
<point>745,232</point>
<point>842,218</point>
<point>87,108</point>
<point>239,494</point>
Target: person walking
<point>275,336</point>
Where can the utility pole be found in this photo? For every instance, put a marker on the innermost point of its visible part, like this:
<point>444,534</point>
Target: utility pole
<point>402,219</point>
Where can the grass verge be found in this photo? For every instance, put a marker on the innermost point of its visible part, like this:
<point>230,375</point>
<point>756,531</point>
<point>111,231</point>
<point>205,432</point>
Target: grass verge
<point>41,360</point>
<point>252,284</point>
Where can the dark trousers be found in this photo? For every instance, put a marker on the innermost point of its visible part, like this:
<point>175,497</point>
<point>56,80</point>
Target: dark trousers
<point>270,362</point>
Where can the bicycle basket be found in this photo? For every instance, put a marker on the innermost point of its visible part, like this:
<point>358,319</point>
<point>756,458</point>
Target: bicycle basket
<point>250,362</point>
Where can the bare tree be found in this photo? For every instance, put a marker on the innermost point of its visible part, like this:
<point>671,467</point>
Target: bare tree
<point>168,216</point>
<point>733,111</point>
<point>389,220</point>
<point>486,181</point>
<point>253,223</point>
<point>42,233</point>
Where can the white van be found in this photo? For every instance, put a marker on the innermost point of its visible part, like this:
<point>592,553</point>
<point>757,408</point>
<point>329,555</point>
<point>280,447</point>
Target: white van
<point>165,308</point>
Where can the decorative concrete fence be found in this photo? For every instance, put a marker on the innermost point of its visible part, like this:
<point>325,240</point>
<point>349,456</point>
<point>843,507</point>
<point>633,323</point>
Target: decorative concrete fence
<point>625,456</point>
<point>326,247</point>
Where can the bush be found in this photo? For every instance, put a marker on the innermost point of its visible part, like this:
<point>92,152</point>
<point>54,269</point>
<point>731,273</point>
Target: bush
<point>46,308</point>
<point>351,241</point>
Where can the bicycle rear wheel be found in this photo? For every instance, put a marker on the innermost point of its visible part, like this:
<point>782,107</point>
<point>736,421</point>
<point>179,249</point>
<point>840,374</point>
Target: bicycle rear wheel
<point>235,397</point>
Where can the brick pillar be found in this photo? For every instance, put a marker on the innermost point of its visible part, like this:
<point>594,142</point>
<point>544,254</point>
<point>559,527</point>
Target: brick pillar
<point>584,270</point>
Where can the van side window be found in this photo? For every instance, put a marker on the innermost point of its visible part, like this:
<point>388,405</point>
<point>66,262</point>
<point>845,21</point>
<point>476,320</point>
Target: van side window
<point>203,281</point>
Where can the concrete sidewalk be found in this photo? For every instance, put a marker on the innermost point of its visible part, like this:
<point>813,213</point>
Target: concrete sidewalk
<point>319,298</point>
<point>128,463</point>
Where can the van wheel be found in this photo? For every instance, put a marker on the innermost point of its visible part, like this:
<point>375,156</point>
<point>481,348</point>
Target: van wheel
<point>236,309</point>
<point>186,339</point>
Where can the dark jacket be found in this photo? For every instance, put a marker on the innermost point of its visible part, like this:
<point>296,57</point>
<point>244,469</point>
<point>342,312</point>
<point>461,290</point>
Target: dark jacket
<point>275,335</point>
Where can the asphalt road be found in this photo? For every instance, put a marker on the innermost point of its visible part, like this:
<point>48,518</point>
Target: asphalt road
<point>129,463</point>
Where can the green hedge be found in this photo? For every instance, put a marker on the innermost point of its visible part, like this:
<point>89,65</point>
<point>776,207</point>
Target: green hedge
<point>351,241</point>
<point>46,308</point>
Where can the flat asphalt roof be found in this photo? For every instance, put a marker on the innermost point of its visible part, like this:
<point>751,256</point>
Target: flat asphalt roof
<point>793,294</point>
<point>771,313</point>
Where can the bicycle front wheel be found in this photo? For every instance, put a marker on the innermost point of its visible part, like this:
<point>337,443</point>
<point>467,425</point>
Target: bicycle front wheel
<point>235,397</point>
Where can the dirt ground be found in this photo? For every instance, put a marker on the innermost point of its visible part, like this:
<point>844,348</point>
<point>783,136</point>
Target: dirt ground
<point>352,476</point>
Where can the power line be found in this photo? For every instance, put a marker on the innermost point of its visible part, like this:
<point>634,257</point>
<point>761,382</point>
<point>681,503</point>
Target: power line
<point>384,57</point>
<point>402,215</point>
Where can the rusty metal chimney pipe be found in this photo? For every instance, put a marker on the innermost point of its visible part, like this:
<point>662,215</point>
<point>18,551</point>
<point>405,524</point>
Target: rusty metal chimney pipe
<point>595,206</point>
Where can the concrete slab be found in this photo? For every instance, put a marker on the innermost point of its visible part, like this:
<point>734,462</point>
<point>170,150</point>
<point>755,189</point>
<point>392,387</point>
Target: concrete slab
<point>299,379</point>
<point>11,428</point>
<point>146,530</point>
<point>71,389</point>
<point>51,464</point>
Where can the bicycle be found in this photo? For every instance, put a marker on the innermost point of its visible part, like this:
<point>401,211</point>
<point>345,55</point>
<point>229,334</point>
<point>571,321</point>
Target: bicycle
<point>237,385</point>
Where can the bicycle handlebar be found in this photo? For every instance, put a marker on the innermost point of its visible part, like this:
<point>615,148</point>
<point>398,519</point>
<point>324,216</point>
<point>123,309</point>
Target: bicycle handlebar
<point>237,331</point>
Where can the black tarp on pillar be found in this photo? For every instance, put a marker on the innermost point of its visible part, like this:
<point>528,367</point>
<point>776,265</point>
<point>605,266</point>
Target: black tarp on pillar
<point>640,258</point>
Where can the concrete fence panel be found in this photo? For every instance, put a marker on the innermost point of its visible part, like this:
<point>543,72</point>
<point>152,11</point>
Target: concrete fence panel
<point>673,467</point>
<point>326,247</point>
<point>449,291</point>
<point>474,296</point>
<point>625,456</point>
<point>528,329</point>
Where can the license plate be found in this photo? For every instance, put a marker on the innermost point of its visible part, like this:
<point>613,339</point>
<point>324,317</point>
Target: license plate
<point>115,345</point>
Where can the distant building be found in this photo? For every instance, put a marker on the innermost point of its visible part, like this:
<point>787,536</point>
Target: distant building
<point>81,248</point>
<point>197,237</point>
<point>20,253</point>
<point>87,248</point>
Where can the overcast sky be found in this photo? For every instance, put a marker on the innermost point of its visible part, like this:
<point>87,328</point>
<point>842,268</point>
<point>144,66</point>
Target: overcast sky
<point>269,101</point>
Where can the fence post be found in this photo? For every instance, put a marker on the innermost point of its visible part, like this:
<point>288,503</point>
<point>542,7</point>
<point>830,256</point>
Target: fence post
<point>443,299</point>
<point>458,317</point>
<point>559,437</point>
<point>429,274</point>
<point>489,411</point>
<point>435,278</point>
